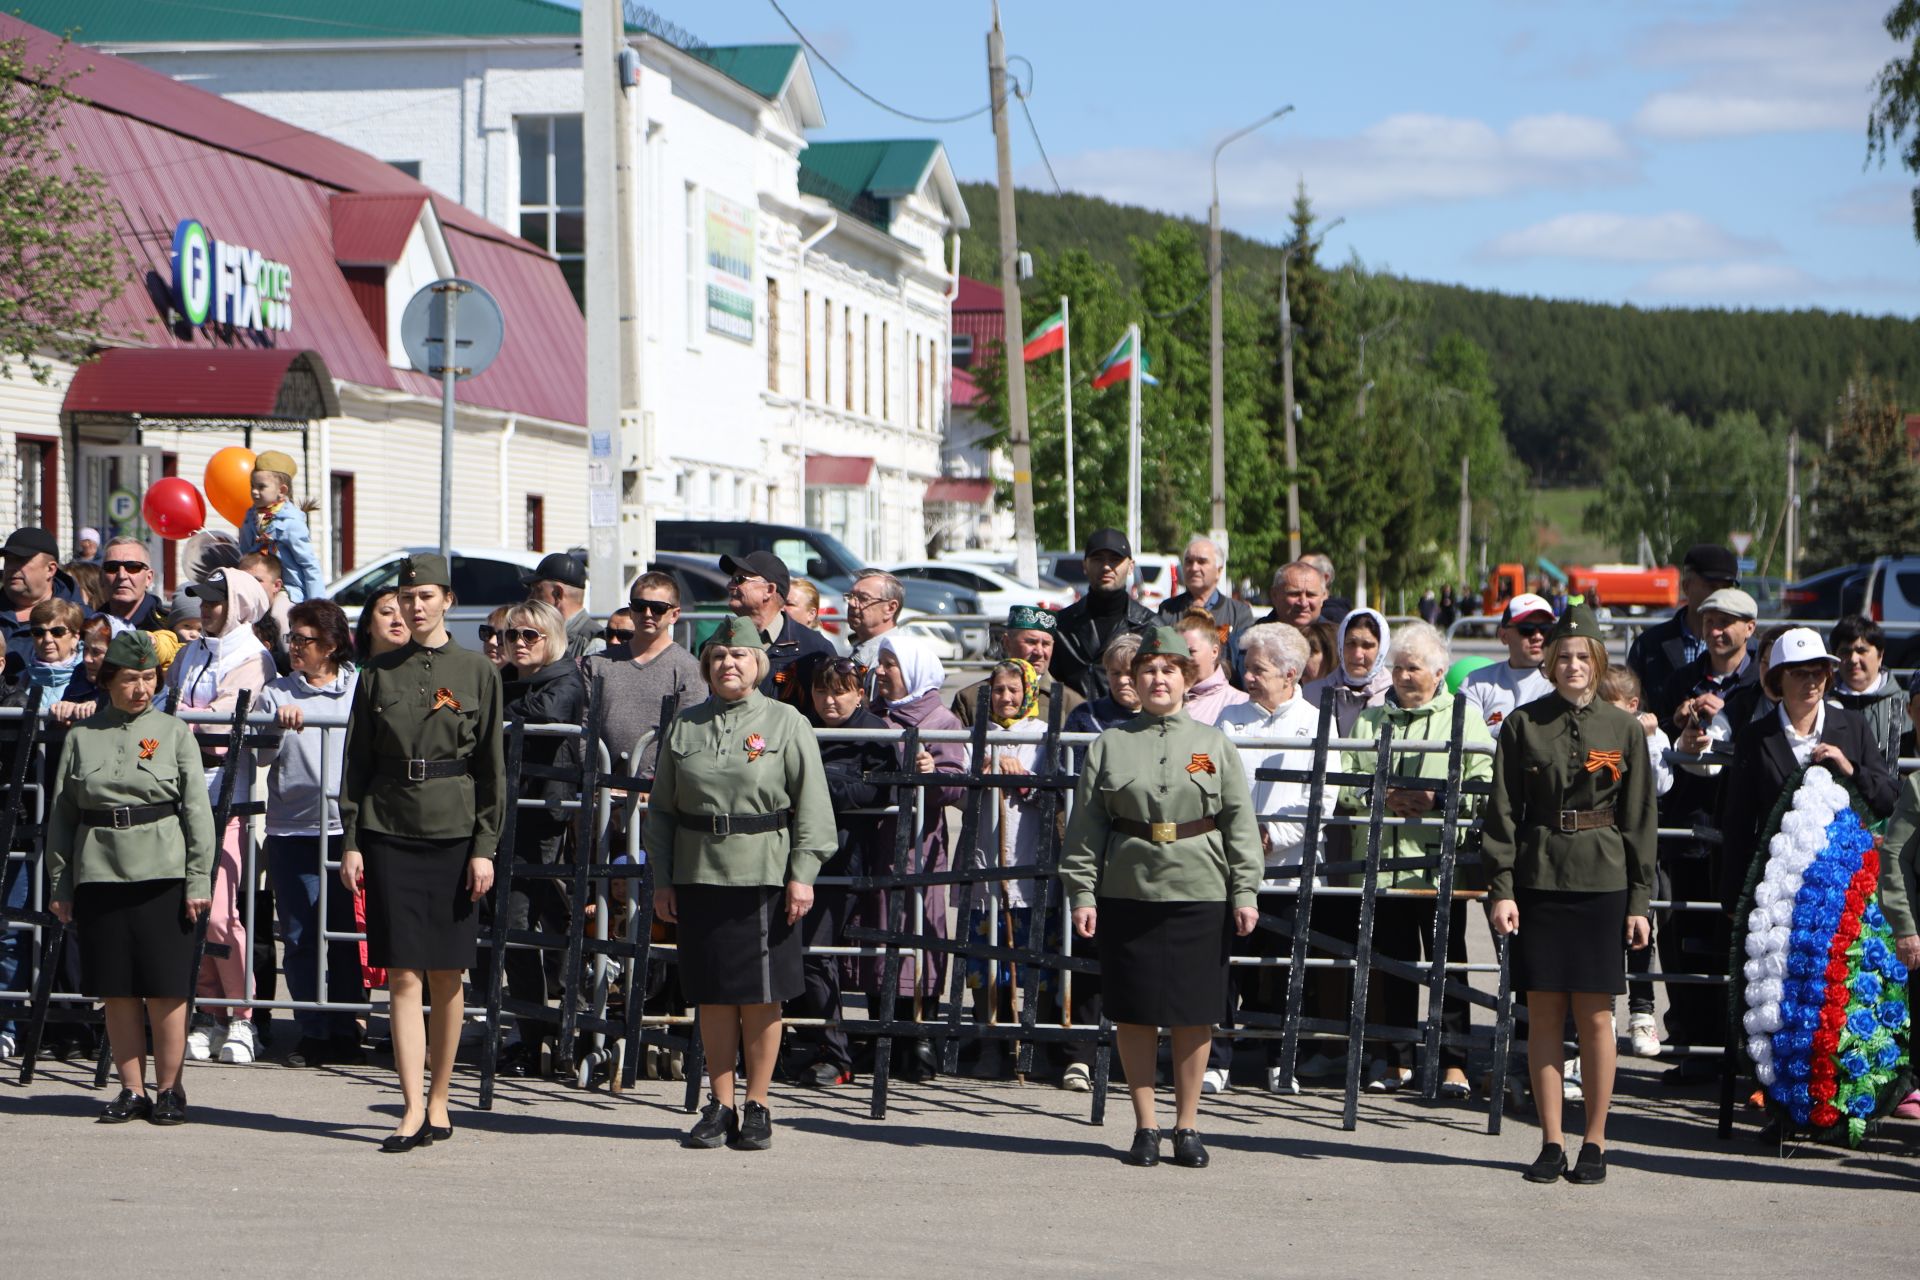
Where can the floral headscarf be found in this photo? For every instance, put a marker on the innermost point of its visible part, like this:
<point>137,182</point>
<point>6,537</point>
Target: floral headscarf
<point>1030,690</point>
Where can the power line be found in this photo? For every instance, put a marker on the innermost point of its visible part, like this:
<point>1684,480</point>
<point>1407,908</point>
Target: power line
<point>904,115</point>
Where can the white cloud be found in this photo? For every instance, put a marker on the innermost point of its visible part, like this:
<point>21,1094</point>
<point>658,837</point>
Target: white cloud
<point>1731,283</point>
<point>1872,204</point>
<point>1774,66</point>
<point>1410,158</point>
<point>1676,236</point>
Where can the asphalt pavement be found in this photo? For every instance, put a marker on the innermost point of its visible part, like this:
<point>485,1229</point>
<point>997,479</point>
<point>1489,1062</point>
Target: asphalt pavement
<point>277,1173</point>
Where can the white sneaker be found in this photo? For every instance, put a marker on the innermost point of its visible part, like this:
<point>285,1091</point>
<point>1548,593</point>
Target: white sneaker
<point>1643,1038</point>
<point>1215,1081</point>
<point>1570,1089</point>
<point>1276,1083</point>
<point>205,1039</point>
<point>8,1047</point>
<point>242,1043</point>
<point>1076,1078</point>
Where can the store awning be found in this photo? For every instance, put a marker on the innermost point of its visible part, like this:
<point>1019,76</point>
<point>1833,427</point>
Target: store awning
<point>185,382</point>
<point>837,470</point>
<point>969,493</point>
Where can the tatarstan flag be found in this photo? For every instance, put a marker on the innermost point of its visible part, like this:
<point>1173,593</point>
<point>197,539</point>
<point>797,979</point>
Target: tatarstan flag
<point>1118,366</point>
<point>1050,337</point>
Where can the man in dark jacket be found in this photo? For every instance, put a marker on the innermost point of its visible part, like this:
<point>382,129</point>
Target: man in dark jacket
<point>1090,623</point>
<point>126,569</point>
<point>757,587</point>
<point>1663,649</point>
<point>1201,565</point>
<point>33,574</point>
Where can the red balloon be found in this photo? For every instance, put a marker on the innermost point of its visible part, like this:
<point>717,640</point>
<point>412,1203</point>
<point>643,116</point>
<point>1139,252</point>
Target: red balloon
<point>174,508</point>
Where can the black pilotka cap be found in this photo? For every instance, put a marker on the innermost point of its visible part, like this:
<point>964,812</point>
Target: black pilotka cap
<point>1711,560</point>
<point>1110,540</point>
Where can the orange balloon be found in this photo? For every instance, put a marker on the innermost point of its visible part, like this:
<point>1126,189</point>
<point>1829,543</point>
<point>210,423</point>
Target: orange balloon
<point>229,483</point>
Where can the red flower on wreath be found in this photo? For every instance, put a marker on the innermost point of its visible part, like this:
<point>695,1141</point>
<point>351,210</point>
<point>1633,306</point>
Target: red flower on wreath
<point>1837,971</point>
<point>1826,1041</point>
<point>1826,1115</point>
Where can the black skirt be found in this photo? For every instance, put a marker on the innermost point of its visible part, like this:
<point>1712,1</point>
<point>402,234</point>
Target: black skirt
<point>1164,964</point>
<point>134,940</point>
<point>1575,942</point>
<point>420,913</point>
<point>736,946</point>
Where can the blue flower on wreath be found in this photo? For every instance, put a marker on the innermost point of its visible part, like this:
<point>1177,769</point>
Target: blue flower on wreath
<point>1855,1064</point>
<point>1892,1014</point>
<point>1876,954</point>
<point>1873,917</point>
<point>1887,1055</point>
<point>1801,1114</point>
<point>1800,1095</point>
<point>1860,1105</point>
<point>1802,1043</point>
<point>1893,970</point>
<point>1866,986</point>
<point>1863,1023</point>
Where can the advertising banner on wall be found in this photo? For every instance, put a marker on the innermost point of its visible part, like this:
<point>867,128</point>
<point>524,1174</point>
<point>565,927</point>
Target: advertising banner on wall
<point>730,247</point>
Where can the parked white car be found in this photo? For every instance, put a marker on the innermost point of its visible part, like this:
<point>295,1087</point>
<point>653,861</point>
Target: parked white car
<point>998,591</point>
<point>1155,578</point>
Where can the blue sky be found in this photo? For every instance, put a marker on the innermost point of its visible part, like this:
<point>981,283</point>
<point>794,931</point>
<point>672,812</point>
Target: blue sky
<point>1686,152</point>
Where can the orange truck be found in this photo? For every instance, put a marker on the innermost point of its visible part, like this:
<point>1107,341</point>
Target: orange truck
<point>1611,586</point>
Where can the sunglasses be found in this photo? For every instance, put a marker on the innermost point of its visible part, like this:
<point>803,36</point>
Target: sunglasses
<point>618,635</point>
<point>58,633</point>
<point>129,567</point>
<point>528,636</point>
<point>658,608</point>
<point>487,634</point>
<point>741,578</point>
<point>1533,630</point>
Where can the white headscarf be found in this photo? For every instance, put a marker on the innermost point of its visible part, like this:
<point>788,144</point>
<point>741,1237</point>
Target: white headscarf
<point>919,665</point>
<point>1379,671</point>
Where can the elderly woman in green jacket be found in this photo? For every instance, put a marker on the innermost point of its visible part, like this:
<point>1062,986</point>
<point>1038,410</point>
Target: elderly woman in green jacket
<point>739,823</point>
<point>1163,865</point>
<point>1569,846</point>
<point>130,852</point>
<point>1419,709</point>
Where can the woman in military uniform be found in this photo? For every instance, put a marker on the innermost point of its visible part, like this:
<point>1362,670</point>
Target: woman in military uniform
<point>739,823</point>
<point>130,853</point>
<point>1569,850</point>
<point>1163,866</point>
<point>421,800</point>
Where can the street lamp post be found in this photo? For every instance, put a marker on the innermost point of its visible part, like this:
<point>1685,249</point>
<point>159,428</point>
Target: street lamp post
<point>1287,409</point>
<point>1218,353</point>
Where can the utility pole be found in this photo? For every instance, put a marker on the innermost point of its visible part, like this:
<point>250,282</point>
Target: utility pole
<point>601,39</point>
<point>1218,347</point>
<point>1466,516</point>
<point>1793,502</point>
<point>1026,566</point>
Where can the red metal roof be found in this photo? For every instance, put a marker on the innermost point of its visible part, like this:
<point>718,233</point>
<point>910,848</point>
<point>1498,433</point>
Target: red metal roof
<point>169,152</point>
<point>372,230</point>
<point>976,313</point>
<point>175,382</point>
<point>831,469</point>
<point>966,392</point>
<point>977,295</point>
<point>971,493</point>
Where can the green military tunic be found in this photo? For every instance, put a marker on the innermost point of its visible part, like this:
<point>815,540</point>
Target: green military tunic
<point>1554,756</point>
<point>1429,722</point>
<point>752,756</point>
<point>1162,769</point>
<point>1900,860</point>
<point>113,759</point>
<point>417,703</point>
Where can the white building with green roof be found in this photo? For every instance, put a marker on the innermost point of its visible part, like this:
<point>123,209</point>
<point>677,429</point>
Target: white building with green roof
<point>795,295</point>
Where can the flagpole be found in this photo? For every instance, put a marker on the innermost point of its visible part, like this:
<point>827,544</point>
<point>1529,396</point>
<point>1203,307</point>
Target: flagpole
<point>1066,387</point>
<point>1133,436</point>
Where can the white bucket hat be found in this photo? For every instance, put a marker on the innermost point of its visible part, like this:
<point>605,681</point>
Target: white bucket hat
<point>1800,644</point>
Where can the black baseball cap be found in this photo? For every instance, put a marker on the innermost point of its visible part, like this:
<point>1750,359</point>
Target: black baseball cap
<point>1712,561</point>
<point>29,542</point>
<point>1110,540</point>
<point>559,566</point>
<point>760,564</point>
<point>214,589</point>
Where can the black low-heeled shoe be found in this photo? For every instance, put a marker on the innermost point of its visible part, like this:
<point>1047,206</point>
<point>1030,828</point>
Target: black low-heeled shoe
<point>128,1106</point>
<point>1550,1165</point>
<point>170,1107</point>
<point>440,1132</point>
<point>1188,1152</point>
<point>1145,1151</point>
<point>399,1144</point>
<point>1591,1167</point>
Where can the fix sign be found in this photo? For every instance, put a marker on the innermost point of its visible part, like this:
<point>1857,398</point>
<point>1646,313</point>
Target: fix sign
<point>228,284</point>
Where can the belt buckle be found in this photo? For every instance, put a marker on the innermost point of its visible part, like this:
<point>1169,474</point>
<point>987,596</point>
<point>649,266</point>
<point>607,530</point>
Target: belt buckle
<point>122,817</point>
<point>1163,832</point>
<point>416,771</point>
<point>723,824</point>
<point>1569,821</point>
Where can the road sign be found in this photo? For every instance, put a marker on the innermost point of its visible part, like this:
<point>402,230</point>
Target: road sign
<point>479,328</point>
<point>1740,542</point>
<point>122,506</point>
<point>1746,565</point>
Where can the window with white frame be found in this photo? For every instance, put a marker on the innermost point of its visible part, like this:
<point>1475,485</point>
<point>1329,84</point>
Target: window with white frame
<point>552,193</point>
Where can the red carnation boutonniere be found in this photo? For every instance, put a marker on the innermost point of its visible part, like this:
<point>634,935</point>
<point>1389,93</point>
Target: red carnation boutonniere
<point>1201,763</point>
<point>756,746</point>
<point>147,747</point>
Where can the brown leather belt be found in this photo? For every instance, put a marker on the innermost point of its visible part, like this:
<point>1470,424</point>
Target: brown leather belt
<point>1572,820</point>
<point>734,824</point>
<point>1162,832</point>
